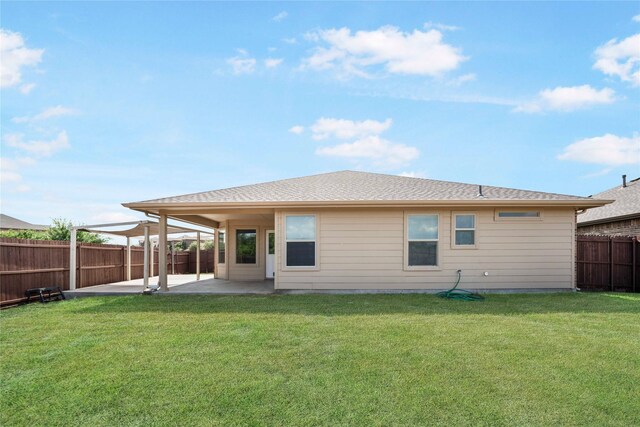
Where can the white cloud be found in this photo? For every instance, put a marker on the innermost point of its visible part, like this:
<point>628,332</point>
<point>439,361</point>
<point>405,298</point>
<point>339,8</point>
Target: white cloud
<point>15,55</point>
<point>609,150</point>
<point>280,16</point>
<point>567,99</point>
<point>297,129</point>
<point>418,52</point>
<point>636,18</point>
<point>10,173</point>
<point>442,27</point>
<point>272,62</point>
<point>49,113</point>
<point>324,128</point>
<point>374,148</point>
<point>26,89</point>
<point>365,141</point>
<point>413,174</point>
<point>291,40</point>
<point>460,80</point>
<point>242,65</point>
<point>39,148</point>
<point>621,59</point>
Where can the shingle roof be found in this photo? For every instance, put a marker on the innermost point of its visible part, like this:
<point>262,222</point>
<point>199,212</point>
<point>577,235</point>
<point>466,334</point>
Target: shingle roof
<point>627,202</point>
<point>350,186</point>
<point>10,223</point>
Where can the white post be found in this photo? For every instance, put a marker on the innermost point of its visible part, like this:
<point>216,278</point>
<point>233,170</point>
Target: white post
<point>153,255</point>
<point>145,269</point>
<point>72,259</point>
<point>162,253</point>
<point>128,258</point>
<point>173,258</point>
<point>198,257</point>
<point>215,252</point>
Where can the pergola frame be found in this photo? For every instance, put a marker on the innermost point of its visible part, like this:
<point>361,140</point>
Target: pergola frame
<point>163,230</point>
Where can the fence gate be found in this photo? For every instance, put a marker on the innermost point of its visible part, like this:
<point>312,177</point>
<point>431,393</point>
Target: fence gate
<point>608,263</point>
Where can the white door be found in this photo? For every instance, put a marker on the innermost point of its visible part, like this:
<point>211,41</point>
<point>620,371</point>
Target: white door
<point>271,254</point>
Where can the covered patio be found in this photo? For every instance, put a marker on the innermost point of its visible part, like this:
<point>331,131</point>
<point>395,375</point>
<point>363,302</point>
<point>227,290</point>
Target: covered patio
<point>180,284</point>
<point>145,229</point>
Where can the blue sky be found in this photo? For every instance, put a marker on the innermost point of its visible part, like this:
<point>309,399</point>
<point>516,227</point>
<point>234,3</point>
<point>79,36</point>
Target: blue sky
<point>104,103</point>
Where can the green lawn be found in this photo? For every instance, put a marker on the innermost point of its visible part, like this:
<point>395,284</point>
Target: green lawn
<point>548,359</point>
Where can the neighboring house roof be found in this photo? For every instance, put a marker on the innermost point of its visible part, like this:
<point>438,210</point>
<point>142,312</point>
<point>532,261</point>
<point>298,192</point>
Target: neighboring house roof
<point>626,205</point>
<point>349,188</point>
<point>10,223</point>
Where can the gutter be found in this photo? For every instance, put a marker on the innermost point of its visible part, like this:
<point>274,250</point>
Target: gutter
<point>145,207</point>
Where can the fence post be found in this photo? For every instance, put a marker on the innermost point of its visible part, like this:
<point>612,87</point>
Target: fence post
<point>611,263</point>
<point>634,278</point>
<point>79,265</point>
<point>128,259</point>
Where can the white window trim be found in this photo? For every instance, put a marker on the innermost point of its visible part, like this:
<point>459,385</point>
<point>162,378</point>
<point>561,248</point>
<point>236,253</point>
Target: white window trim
<point>453,230</point>
<point>497,216</point>
<point>406,243</point>
<point>256,264</point>
<point>286,267</point>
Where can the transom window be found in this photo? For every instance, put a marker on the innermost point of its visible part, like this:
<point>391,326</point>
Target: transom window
<point>300,240</point>
<point>422,240</point>
<point>246,246</point>
<point>518,214</point>
<point>465,230</point>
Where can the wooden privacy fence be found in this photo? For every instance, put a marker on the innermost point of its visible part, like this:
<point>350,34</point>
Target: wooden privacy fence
<point>608,263</point>
<point>26,264</point>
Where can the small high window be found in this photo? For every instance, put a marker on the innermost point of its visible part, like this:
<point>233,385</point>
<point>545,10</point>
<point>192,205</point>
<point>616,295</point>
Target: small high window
<point>518,214</point>
<point>465,230</point>
<point>300,240</point>
<point>422,240</point>
<point>246,246</point>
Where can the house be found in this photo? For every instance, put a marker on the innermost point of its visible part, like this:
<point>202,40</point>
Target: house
<point>363,231</point>
<point>10,223</point>
<point>620,218</point>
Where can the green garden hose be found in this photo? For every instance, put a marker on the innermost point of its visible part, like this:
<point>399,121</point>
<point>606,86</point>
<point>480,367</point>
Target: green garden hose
<point>460,294</point>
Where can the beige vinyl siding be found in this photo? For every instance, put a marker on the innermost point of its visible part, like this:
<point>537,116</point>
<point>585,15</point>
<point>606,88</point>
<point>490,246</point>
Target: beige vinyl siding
<point>247,272</point>
<point>365,249</point>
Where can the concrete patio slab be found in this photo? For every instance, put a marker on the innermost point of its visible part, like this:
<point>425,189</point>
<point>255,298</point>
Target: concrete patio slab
<point>179,284</point>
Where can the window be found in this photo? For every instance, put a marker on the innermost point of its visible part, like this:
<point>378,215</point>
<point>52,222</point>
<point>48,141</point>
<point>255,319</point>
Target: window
<point>246,246</point>
<point>221,247</point>
<point>300,240</point>
<point>465,230</point>
<point>272,242</point>
<point>519,215</point>
<point>422,240</point>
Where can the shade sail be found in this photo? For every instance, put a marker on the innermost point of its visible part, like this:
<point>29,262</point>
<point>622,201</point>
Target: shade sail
<point>138,230</point>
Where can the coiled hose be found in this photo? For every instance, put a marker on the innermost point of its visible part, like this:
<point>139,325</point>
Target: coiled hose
<point>460,294</point>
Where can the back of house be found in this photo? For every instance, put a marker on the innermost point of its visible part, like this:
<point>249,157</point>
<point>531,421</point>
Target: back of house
<point>363,231</point>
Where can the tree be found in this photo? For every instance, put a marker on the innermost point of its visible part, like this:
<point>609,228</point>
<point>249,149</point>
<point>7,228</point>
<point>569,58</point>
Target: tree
<point>60,229</point>
<point>25,234</point>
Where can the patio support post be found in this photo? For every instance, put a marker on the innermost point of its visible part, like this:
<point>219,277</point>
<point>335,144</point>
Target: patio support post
<point>198,257</point>
<point>153,255</point>
<point>128,258</point>
<point>72,258</point>
<point>162,253</point>
<point>145,269</point>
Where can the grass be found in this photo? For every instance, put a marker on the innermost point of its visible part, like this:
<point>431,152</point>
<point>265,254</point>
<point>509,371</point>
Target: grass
<point>546,359</point>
